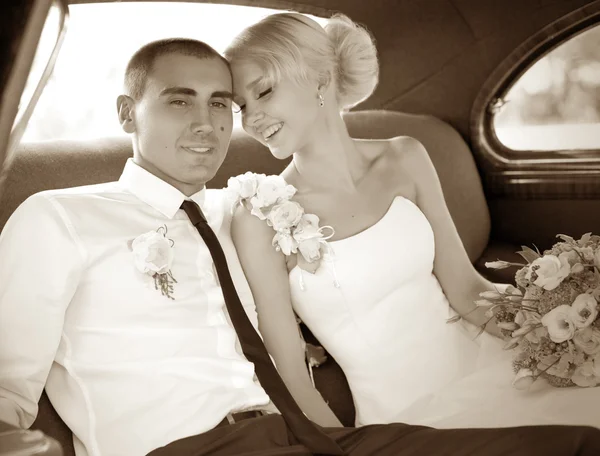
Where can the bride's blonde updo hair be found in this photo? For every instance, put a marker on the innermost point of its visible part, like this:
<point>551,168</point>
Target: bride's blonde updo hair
<point>293,45</point>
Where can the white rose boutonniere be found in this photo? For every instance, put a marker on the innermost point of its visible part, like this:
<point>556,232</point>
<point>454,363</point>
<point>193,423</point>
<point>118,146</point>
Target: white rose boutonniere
<point>153,255</point>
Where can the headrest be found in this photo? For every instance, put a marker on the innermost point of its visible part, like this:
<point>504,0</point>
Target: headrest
<point>59,164</point>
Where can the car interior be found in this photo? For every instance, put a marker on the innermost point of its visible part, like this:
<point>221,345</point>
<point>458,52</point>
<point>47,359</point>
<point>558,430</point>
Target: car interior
<point>450,71</point>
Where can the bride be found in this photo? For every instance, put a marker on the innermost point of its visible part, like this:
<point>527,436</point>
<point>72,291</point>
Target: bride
<point>377,266</point>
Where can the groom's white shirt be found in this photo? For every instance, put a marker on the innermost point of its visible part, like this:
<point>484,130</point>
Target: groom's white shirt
<point>127,369</point>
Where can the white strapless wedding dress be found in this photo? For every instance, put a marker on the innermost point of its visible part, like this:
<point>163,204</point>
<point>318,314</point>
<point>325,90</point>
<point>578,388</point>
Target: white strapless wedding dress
<point>377,308</point>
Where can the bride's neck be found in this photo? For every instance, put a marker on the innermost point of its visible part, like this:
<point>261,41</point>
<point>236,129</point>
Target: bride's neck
<point>329,160</point>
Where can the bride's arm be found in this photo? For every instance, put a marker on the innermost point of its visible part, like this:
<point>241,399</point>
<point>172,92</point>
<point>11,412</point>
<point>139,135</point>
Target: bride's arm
<point>267,275</point>
<point>458,277</point>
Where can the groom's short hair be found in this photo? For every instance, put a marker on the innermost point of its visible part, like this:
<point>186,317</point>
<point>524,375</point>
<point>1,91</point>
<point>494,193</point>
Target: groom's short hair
<point>141,63</point>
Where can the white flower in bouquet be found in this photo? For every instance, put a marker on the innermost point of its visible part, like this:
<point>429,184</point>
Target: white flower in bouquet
<point>524,379</point>
<point>584,310</point>
<point>553,321</point>
<point>559,323</point>
<point>585,375</point>
<point>549,271</point>
<point>587,340</point>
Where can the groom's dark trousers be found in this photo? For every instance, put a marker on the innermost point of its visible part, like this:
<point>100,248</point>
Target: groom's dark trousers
<point>268,435</point>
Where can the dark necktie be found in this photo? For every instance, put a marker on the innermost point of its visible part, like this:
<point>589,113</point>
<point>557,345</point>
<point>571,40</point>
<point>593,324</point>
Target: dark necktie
<point>254,349</point>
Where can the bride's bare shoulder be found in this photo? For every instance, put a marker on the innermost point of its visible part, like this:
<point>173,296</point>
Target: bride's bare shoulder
<point>387,149</point>
<point>406,153</point>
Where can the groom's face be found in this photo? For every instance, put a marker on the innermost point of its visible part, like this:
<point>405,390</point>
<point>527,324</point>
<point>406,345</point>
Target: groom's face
<point>183,120</point>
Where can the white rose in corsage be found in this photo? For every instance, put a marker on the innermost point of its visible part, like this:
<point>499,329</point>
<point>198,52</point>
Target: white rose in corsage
<point>559,323</point>
<point>549,271</point>
<point>153,255</point>
<point>285,215</point>
<point>270,191</point>
<point>310,248</point>
<point>311,242</point>
<point>584,310</point>
<point>244,185</point>
<point>285,243</point>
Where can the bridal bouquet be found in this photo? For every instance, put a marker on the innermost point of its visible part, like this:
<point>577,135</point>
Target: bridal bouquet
<point>551,317</point>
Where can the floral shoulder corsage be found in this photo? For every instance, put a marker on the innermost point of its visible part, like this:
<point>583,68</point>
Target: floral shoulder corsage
<point>296,233</point>
<point>269,198</point>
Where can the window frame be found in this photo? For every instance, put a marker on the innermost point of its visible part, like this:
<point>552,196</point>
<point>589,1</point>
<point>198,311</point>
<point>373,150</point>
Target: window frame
<point>491,152</point>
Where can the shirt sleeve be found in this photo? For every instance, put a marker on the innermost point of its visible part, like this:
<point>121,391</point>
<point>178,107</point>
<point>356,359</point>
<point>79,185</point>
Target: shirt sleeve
<point>41,262</point>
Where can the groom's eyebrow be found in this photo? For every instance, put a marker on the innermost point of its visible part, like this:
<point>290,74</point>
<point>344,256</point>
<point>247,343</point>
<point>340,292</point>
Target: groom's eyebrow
<point>193,93</point>
<point>178,91</point>
<point>222,94</point>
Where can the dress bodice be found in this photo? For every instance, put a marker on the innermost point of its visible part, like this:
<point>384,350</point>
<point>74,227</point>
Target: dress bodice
<point>376,306</point>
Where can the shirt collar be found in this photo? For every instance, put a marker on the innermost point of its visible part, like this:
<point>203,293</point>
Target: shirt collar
<point>154,191</point>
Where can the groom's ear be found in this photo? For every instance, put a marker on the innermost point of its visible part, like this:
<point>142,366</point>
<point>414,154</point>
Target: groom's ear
<point>126,111</point>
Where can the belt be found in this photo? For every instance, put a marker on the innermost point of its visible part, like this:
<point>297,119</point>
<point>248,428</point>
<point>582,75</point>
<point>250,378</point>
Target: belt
<point>240,416</point>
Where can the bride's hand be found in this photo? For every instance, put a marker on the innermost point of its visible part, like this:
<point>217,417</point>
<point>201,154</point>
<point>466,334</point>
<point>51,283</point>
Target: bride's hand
<point>492,328</point>
<point>478,318</point>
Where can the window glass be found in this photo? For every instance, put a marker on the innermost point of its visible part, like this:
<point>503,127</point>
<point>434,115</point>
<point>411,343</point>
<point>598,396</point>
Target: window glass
<point>555,104</point>
<point>79,101</point>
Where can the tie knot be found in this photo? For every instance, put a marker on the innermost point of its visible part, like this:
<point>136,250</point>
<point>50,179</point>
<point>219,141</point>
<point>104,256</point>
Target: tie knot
<point>193,212</point>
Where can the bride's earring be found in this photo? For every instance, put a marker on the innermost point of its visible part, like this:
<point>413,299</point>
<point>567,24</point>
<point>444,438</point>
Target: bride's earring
<point>321,100</point>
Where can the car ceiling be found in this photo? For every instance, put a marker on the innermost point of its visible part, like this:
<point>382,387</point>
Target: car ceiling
<point>436,54</point>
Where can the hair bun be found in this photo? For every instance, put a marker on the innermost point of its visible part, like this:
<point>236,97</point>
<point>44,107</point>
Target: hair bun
<point>357,69</point>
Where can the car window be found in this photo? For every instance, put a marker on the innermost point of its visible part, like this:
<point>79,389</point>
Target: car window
<point>555,104</point>
<point>79,101</point>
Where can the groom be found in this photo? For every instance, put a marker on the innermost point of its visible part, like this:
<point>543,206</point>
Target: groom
<point>121,300</point>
